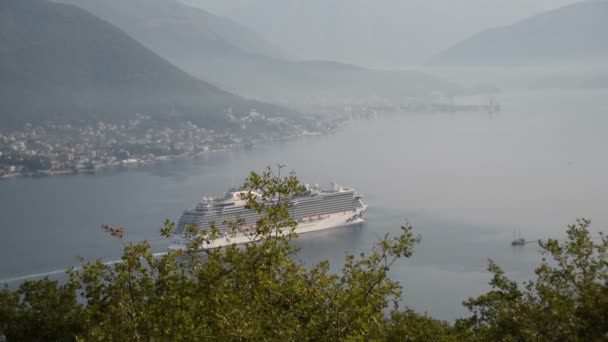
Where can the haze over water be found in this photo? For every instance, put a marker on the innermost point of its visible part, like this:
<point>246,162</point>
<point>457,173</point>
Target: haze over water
<point>465,181</point>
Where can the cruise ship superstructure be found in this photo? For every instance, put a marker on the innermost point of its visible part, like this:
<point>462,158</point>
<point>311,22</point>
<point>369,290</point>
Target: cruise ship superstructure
<point>317,209</point>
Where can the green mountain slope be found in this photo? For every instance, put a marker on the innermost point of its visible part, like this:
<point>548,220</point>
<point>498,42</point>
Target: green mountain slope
<point>177,31</point>
<point>58,62</point>
<point>193,40</point>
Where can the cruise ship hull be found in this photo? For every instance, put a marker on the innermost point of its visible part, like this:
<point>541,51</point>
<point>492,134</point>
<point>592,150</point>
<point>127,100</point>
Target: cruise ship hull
<point>333,220</point>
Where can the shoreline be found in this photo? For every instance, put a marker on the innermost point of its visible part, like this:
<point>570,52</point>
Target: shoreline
<point>144,162</point>
<point>135,162</point>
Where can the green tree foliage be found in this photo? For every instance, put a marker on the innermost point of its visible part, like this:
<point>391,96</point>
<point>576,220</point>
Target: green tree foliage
<point>40,311</point>
<point>408,325</point>
<point>260,291</point>
<point>567,302</point>
<point>255,291</point>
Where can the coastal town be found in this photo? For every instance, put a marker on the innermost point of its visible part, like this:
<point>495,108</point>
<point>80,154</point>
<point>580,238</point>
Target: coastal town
<point>65,149</point>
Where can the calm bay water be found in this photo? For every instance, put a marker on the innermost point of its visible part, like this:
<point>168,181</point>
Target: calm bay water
<point>465,181</point>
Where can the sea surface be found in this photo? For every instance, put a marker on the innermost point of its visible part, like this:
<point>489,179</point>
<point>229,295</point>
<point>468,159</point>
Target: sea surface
<point>465,181</point>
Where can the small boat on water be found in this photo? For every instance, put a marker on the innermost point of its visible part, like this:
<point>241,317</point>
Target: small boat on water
<point>519,241</point>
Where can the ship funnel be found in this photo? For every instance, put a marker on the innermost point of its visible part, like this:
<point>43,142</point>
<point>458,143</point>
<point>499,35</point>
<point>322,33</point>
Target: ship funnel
<point>334,185</point>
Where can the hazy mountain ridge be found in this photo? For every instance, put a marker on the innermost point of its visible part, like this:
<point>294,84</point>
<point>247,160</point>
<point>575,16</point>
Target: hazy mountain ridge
<point>58,62</point>
<point>567,34</point>
<point>383,33</point>
<point>177,31</point>
<point>259,75</point>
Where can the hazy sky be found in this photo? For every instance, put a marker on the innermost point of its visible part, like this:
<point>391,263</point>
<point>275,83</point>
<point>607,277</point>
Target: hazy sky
<point>381,33</point>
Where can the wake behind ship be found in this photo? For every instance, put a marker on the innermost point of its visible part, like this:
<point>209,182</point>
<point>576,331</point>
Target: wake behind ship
<point>317,209</point>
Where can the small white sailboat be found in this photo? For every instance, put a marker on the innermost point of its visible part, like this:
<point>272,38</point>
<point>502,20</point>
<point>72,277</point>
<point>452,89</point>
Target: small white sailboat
<point>519,241</point>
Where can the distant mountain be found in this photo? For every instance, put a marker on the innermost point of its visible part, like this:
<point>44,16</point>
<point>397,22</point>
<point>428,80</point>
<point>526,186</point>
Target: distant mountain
<point>58,62</point>
<point>177,31</point>
<point>385,33</point>
<point>244,63</point>
<point>570,33</point>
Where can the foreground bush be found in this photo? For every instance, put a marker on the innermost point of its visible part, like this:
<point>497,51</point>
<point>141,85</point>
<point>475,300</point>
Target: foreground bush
<point>567,302</point>
<point>259,291</point>
<point>256,291</point>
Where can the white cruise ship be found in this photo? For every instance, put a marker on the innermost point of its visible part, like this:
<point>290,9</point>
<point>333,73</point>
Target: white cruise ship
<point>318,209</point>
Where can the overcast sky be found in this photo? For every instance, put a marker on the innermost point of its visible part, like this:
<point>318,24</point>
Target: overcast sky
<point>380,33</point>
